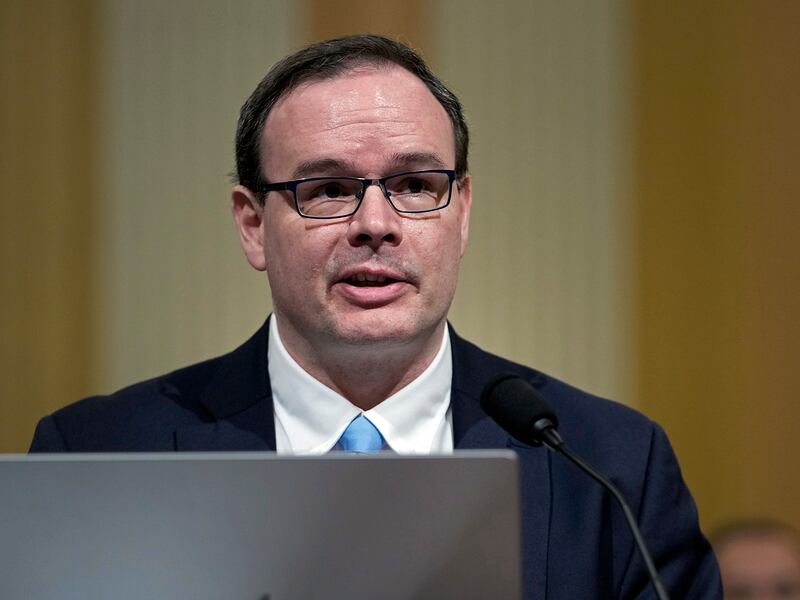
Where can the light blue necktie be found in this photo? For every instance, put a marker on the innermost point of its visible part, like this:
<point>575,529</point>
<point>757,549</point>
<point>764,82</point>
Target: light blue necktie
<point>361,437</point>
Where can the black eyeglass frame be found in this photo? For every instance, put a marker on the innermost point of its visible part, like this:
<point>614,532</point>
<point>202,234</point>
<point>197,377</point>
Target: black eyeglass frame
<point>365,183</point>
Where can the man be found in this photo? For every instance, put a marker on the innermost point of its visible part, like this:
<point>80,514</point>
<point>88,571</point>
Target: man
<point>353,195</point>
<point>759,560</point>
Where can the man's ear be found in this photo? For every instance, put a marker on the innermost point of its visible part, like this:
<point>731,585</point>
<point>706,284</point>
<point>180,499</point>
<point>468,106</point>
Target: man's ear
<point>465,202</point>
<point>248,214</point>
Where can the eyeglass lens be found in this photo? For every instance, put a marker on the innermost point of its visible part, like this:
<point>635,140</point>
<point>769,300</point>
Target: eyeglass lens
<point>408,192</point>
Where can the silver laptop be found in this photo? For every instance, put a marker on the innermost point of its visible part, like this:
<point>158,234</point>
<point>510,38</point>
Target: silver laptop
<point>254,526</point>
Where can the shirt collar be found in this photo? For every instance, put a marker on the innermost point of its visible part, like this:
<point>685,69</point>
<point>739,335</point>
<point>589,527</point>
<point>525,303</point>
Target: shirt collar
<point>310,417</point>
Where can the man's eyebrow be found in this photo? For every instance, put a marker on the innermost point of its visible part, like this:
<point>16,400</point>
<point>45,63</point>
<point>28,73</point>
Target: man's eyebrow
<point>412,160</point>
<point>397,162</point>
<point>321,166</point>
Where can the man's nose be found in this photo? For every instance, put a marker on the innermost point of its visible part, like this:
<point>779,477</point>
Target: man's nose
<point>375,222</point>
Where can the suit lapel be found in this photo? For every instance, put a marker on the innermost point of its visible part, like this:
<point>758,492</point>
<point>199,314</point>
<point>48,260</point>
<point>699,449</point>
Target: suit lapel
<point>239,399</point>
<point>473,429</point>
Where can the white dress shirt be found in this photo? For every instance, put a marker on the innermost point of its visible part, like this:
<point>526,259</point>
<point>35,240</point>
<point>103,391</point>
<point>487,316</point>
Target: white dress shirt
<point>310,417</point>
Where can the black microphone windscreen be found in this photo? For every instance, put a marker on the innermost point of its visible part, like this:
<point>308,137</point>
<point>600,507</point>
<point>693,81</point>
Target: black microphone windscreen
<point>516,406</point>
<point>519,409</point>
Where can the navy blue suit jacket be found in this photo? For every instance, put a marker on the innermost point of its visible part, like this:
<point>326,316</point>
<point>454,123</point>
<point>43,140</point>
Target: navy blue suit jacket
<point>575,543</point>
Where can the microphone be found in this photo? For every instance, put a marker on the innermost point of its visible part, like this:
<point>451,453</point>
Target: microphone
<point>521,410</point>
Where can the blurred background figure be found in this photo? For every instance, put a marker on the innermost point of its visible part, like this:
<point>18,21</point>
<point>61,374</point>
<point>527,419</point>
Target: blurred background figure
<point>759,560</point>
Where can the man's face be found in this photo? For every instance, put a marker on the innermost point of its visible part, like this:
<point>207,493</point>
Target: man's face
<point>760,567</point>
<point>376,276</point>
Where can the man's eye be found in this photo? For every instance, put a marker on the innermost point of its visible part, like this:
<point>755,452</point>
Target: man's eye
<point>323,191</point>
<point>328,191</point>
<point>412,185</point>
<point>415,186</point>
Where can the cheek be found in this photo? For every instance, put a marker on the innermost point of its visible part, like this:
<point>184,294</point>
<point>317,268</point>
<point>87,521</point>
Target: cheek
<point>279,259</point>
<point>440,255</point>
<point>295,261</point>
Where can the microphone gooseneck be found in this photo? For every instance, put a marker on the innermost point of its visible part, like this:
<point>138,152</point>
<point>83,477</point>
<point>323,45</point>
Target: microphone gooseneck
<point>519,409</point>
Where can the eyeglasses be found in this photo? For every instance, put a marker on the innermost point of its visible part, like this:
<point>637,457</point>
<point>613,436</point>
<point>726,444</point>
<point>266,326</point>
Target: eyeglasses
<point>335,197</point>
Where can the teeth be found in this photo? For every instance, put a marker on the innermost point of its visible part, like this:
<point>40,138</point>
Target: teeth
<point>362,277</point>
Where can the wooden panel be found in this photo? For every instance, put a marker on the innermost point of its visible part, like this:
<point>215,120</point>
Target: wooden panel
<point>719,276</point>
<point>46,213</point>
<point>770,149</point>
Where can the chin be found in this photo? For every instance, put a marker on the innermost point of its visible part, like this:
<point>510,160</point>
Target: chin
<point>369,330</point>
<point>371,336</point>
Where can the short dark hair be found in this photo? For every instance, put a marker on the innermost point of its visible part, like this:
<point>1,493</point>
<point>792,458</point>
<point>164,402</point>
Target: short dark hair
<point>326,60</point>
<point>754,527</point>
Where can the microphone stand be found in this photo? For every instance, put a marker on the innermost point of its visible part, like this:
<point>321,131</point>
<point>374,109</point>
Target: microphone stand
<point>552,440</point>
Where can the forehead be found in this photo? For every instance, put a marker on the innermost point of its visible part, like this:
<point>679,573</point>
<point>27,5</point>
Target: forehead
<point>363,115</point>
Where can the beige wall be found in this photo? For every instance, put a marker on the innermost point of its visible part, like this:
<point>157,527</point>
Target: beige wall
<point>173,285</point>
<point>548,277</point>
<point>634,220</point>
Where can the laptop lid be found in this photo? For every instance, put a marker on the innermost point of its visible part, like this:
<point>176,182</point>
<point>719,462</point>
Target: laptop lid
<point>253,526</point>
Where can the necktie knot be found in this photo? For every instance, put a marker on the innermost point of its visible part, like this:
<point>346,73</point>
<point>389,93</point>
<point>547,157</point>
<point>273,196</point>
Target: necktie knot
<point>361,437</point>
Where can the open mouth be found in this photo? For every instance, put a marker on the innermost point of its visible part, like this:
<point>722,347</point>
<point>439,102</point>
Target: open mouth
<point>367,289</point>
<point>369,280</point>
